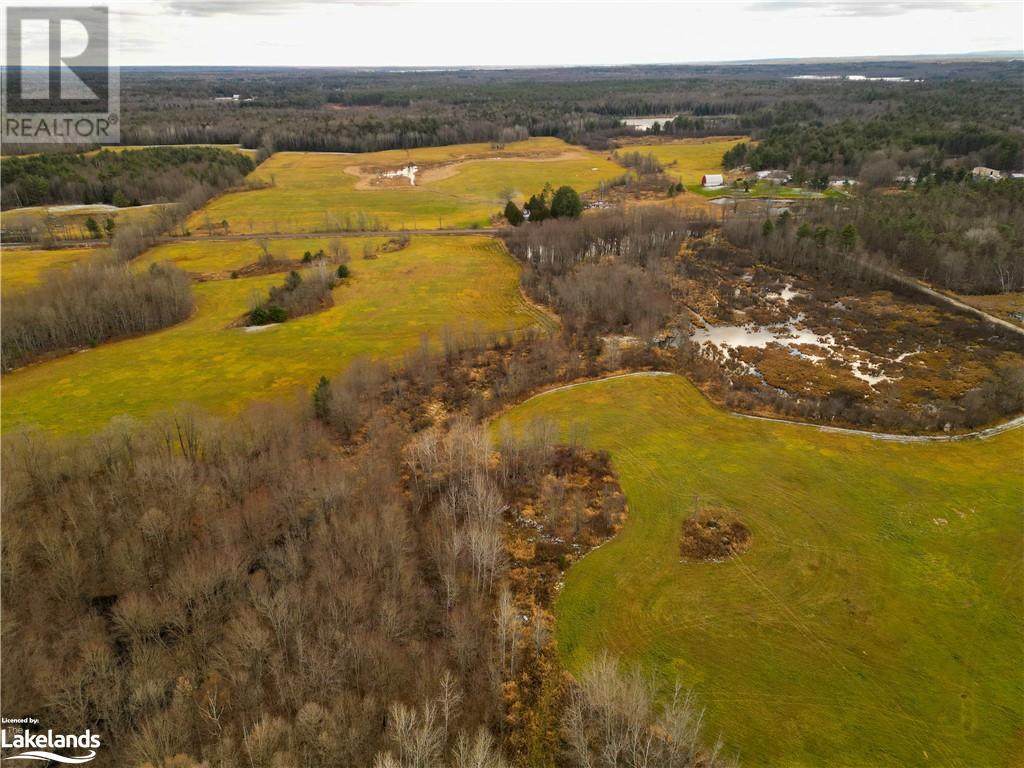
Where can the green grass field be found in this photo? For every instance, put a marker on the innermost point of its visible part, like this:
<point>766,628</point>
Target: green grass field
<point>22,268</point>
<point>876,620</point>
<point>458,186</point>
<point>380,312</point>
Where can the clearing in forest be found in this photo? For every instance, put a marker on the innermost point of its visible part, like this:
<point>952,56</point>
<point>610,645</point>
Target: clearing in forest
<point>381,311</point>
<point>686,159</point>
<point>455,186</point>
<point>875,612</point>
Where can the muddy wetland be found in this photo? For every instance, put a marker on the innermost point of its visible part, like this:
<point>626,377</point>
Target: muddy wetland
<point>798,337</point>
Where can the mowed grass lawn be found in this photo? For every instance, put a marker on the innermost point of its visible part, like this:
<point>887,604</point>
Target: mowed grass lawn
<point>687,159</point>
<point>24,267</point>
<point>314,191</point>
<point>877,618</point>
<point>380,312</point>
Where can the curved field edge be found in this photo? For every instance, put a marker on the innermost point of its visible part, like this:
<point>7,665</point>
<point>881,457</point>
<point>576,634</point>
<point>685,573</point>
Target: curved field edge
<point>877,614</point>
<point>382,311</point>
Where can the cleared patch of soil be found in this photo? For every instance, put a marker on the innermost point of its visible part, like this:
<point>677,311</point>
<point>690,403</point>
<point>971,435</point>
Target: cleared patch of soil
<point>713,535</point>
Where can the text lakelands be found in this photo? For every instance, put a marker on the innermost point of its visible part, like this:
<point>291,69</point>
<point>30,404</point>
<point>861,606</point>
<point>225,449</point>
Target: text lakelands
<point>48,740</point>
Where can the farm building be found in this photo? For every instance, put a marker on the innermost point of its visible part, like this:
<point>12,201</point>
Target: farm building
<point>712,180</point>
<point>981,172</point>
<point>841,183</point>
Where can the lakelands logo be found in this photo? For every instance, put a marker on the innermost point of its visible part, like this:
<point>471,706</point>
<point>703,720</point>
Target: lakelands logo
<point>41,746</point>
<point>59,84</point>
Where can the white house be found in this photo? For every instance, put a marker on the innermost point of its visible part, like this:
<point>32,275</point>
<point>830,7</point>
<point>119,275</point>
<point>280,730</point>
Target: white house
<point>981,172</point>
<point>712,180</point>
<point>842,183</point>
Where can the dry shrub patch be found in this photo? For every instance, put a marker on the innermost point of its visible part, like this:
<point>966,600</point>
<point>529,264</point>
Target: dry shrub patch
<point>713,535</point>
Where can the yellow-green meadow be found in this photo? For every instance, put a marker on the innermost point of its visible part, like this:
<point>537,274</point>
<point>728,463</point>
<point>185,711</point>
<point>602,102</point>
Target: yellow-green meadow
<point>455,187</point>
<point>876,618</point>
<point>381,311</point>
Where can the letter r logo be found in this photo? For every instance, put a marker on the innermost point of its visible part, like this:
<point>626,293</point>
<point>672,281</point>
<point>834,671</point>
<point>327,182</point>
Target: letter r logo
<point>57,59</point>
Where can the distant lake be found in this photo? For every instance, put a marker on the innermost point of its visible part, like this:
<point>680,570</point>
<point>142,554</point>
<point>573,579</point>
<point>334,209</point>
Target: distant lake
<point>644,124</point>
<point>854,77</point>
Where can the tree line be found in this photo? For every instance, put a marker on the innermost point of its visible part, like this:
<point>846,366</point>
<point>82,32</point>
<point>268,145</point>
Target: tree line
<point>353,111</point>
<point>967,236</point>
<point>301,294</point>
<point>125,178</point>
<point>565,203</point>
<point>88,304</point>
<point>604,273</point>
<point>879,149</point>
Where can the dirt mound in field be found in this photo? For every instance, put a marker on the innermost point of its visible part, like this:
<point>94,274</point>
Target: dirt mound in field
<point>713,535</point>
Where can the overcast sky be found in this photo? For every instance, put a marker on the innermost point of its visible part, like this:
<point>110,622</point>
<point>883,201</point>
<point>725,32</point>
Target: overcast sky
<point>425,34</point>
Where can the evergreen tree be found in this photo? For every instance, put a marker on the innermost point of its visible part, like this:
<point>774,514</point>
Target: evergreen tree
<point>322,399</point>
<point>512,214</point>
<point>537,205</point>
<point>848,237</point>
<point>566,204</point>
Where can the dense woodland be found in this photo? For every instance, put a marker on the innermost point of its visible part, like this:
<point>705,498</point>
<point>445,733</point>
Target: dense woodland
<point>152,175</point>
<point>88,304</point>
<point>953,109</point>
<point>966,236</point>
<point>604,273</point>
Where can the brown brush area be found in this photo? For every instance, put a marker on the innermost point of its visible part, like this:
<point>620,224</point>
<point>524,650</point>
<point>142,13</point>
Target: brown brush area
<point>712,536</point>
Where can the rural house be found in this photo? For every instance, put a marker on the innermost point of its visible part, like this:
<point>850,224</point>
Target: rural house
<point>981,172</point>
<point>712,180</point>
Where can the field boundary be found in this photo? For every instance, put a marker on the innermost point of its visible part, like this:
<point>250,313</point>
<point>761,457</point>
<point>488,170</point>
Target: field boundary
<point>981,434</point>
<point>171,239</point>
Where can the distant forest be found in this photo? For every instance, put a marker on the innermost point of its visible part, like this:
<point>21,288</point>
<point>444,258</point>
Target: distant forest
<point>957,109</point>
<point>156,174</point>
